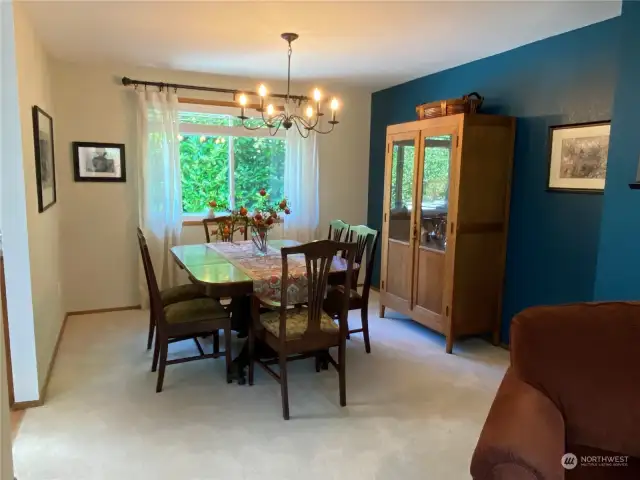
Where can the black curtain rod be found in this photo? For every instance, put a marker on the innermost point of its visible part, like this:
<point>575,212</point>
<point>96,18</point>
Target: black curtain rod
<point>126,81</point>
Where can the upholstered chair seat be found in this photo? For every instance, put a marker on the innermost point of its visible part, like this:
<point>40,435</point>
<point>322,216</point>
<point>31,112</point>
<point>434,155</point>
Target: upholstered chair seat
<point>297,323</point>
<point>181,293</point>
<point>195,310</point>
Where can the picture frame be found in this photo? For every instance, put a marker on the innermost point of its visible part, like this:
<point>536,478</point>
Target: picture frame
<point>44,157</point>
<point>578,156</point>
<point>99,162</point>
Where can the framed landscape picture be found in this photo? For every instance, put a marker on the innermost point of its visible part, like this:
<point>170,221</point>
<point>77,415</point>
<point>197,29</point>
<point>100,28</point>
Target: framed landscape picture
<point>45,162</point>
<point>578,157</point>
<point>99,162</point>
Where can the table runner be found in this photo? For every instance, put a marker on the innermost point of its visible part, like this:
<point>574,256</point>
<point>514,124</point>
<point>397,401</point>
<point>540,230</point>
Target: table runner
<point>265,269</point>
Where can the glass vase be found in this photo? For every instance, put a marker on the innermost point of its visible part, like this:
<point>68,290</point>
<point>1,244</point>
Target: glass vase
<point>259,236</point>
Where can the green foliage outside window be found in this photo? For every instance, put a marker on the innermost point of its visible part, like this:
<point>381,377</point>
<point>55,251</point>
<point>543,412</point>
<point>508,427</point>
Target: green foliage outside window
<point>259,163</point>
<point>205,171</point>
<point>406,196</point>
<point>436,174</point>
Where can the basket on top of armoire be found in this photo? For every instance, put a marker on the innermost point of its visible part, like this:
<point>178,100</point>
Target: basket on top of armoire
<point>470,103</point>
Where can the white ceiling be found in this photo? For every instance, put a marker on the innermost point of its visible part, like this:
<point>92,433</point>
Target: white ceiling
<point>372,44</point>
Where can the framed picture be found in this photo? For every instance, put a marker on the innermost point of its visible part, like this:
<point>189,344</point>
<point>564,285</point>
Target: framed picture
<point>99,162</point>
<point>45,162</point>
<point>578,157</point>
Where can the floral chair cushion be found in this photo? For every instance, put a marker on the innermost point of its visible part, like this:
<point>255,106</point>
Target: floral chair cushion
<point>195,310</point>
<point>297,321</point>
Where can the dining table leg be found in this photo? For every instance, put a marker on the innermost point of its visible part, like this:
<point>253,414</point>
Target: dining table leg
<point>240,318</point>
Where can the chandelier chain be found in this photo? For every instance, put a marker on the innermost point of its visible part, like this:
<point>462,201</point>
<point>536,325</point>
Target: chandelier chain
<point>289,71</point>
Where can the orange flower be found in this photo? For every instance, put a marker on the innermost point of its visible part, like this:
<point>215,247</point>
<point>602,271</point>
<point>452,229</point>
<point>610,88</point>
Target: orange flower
<point>241,229</point>
<point>243,211</point>
<point>269,221</point>
<point>257,217</point>
<point>213,204</point>
<point>226,230</point>
<point>263,192</point>
<point>274,214</point>
<point>283,203</point>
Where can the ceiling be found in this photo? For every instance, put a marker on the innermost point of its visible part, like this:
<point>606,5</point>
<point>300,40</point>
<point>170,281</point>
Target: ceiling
<point>370,44</point>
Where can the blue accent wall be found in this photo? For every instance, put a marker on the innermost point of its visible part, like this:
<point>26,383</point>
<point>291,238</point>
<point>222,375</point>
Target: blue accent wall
<point>618,268</point>
<point>570,78</point>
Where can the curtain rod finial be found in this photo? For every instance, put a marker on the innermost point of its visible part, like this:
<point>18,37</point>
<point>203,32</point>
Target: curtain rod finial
<point>126,81</point>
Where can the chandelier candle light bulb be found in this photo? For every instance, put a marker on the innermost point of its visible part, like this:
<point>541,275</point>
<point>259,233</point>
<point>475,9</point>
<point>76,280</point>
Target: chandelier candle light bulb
<point>334,107</point>
<point>309,112</point>
<point>317,96</point>
<point>262,92</point>
<point>270,110</point>
<point>243,103</point>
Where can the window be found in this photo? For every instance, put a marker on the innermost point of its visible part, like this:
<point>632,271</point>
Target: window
<point>221,159</point>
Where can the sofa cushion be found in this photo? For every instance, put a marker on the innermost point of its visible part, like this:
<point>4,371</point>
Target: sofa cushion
<point>585,358</point>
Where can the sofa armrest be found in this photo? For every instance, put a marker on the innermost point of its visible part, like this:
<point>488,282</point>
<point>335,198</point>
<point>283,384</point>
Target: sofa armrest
<point>523,435</point>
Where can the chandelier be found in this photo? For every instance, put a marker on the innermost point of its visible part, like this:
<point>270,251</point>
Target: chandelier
<point>288,118</point>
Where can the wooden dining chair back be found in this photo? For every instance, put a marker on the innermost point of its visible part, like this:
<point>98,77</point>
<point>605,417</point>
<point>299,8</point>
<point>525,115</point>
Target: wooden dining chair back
<point>319,257</point>
<point>295,332</point>
<point>337,230</point>
<point>152,284</point>
<point>182,321</point>
<point>366,241</point>
<point>218,224</point>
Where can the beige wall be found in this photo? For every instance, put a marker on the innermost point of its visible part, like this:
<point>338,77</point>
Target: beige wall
<point>99,220</point>
<point>34,88</point>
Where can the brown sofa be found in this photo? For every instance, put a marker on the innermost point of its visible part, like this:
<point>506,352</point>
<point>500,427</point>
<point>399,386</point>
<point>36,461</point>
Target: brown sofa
<point>573,387</point>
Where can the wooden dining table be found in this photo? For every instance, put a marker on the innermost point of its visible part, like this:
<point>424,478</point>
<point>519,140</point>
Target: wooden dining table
<point>223,277</point>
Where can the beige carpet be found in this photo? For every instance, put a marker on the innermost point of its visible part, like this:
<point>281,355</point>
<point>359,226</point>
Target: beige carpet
<point>412,412</point>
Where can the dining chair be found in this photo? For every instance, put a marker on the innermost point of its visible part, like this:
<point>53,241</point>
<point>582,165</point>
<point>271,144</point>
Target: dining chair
<point>222,222</point>
<point>182,321</point>
<point>366,241</point>
<point>301,331</point>
<point>337,228</point>
<point>168,296</point>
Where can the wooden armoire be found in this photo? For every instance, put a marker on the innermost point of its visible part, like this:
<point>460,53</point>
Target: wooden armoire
<point>445,217</point>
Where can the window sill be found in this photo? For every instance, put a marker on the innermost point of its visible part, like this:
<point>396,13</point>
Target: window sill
<point>195,219</point>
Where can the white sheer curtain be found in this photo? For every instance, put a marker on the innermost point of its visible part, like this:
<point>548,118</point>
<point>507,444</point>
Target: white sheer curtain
<point>159,183</point>
<point>301,178</point>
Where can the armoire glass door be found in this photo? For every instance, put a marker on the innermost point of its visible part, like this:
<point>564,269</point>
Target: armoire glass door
<point>432,219</point>
<point>403,164</point>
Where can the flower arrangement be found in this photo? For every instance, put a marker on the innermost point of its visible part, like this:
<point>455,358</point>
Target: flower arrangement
<point>265,215</point>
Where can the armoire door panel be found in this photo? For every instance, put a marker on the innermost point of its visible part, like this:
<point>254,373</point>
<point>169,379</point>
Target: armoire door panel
<point>399,268</point>
<point>431,280</point>
<point>436,176</point>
